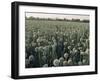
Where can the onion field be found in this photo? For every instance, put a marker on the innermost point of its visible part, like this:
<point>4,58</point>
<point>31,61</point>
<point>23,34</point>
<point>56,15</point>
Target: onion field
<point>54,43</point>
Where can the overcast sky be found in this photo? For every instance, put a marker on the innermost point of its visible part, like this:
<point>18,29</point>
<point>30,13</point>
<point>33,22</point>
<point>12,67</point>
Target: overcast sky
<point>60,16</point>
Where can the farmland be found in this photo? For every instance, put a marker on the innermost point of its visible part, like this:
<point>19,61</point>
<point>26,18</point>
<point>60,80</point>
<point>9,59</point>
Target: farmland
<point>56,43</point>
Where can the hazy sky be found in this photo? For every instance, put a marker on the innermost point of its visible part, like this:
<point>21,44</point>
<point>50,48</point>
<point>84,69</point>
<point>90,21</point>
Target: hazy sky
<point>60,16</point>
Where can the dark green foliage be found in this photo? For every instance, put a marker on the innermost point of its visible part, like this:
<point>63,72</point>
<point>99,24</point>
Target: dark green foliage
<point>50,43</point>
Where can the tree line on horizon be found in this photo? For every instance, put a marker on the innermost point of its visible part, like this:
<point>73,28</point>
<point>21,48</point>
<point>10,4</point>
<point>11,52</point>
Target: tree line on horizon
<point>58,19</point>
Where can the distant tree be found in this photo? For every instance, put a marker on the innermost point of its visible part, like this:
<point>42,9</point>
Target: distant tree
<point>65,19</point>
<point>85,20</point>
<point>30,18</point>
<point>76,20</point>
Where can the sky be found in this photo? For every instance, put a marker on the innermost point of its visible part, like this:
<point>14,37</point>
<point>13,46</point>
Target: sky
<point>60,16</point>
